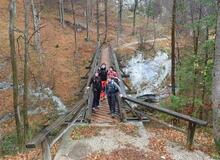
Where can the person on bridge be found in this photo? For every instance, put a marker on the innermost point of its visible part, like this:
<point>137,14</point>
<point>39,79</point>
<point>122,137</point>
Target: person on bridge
<point>96,87</point>
<point>103,75</point>
<point>112,74</point>
<point>112,89</point>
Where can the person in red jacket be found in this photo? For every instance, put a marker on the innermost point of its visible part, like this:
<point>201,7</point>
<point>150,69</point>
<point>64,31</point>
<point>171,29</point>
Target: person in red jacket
<point>112,74</point>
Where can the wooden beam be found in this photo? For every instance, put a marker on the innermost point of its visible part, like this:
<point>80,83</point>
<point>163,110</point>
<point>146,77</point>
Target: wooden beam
<point>125,75</point>
<point>61,120</point>
<point>131,92</point>
<point>68,127</point>
<point>190,134</point>
<point>46,150</point>
<point>133,111</point>
<point>89,93</point>
<point>167,111</point>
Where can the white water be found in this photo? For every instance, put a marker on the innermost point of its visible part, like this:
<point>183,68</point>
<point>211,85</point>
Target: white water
<point>2,65</point>
<point>147,75</point>
<point>5,85</point>
<point>47,93</point>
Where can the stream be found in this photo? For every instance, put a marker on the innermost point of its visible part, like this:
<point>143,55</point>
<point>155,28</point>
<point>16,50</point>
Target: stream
<point>147,76</point>
<point>41,94</point>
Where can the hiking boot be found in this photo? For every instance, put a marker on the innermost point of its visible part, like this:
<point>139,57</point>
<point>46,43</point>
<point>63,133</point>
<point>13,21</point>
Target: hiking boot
<point>113,115</point>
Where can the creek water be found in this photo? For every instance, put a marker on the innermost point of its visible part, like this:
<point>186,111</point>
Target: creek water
<point>45,93</point>
<point>147,76</point>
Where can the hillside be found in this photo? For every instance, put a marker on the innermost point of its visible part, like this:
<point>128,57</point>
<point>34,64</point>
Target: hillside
<point>163,60</point>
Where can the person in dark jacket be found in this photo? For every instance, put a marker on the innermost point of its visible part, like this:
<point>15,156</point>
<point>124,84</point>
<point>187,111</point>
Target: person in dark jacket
<point>112,89</point>
<point>96,87</point>
<point>103,75</point>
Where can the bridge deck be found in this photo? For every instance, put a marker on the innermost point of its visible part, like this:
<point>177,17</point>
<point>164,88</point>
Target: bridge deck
<point>102,115</point>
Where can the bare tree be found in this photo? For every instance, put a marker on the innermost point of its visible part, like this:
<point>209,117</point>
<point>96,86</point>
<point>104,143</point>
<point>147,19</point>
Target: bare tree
<point>106,20</point>
<point>87,20</point>
<point>97,20</point>
<point>134,15</point>
<point>61,12</point>
<point>26,67</point>
<point>196,34</point>
<point>75,26</point>
<point>12,19</point>
<point>173,46</point>
<point>36,23</point>
<point>119,26</point>
<point>216,86</point>
<point>120,11</point>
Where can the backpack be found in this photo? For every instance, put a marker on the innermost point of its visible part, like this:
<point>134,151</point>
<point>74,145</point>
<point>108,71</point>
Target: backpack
<point>116,81</point>
<point>111,87</point>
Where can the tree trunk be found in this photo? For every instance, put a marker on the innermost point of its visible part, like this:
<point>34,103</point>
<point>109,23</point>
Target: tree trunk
<point>196,34</point>
<point>216,87</point>
<point>75,27</point>
<point>26,66</point>
<point>87,20</point>
<point>119,26</point>
<point>90,10</point>
<point>97,20</point>
<point>61,11</point>
<point>120,15</point>
<point>204,76</point>
<point>134,15</point>
<point>36,24</point>
<point>173,46</point>
<point>12,10</point>
<point>106,21</point>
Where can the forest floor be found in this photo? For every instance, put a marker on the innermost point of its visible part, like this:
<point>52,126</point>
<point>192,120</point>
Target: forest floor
<point>124,141</point>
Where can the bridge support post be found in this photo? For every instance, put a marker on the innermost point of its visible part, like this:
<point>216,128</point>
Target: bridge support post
<point>190,134</point>
<point>46,150</point>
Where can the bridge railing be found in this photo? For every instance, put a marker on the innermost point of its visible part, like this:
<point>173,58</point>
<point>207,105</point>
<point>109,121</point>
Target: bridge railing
<point>88,92</point>
<point>192,122</point>
<point>63,123</point>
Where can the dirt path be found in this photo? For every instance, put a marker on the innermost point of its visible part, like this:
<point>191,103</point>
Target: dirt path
<point>126,45</point>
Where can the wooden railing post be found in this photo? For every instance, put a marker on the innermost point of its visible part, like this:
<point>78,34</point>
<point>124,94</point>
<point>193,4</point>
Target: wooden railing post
<point>122,112</point>
<point>46,150</point>
<point>190,134</point>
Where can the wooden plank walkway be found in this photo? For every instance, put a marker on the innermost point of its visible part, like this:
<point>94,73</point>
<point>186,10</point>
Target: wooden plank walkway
<point>102,115</point>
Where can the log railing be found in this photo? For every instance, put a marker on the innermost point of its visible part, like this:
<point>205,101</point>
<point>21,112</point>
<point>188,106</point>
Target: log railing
<point>192,122</point>
<point>64,122</point>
